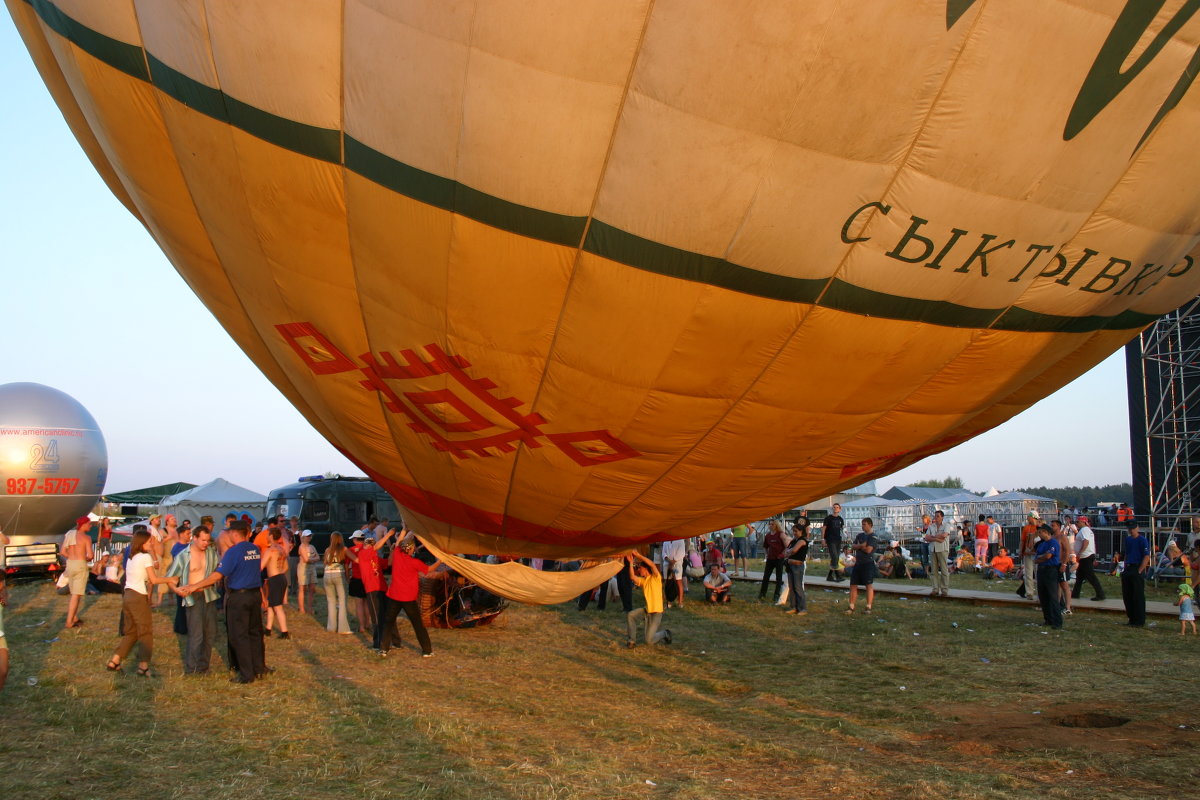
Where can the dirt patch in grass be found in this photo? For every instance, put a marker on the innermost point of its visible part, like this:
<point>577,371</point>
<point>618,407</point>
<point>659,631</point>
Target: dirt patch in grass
<point>1114,729</point>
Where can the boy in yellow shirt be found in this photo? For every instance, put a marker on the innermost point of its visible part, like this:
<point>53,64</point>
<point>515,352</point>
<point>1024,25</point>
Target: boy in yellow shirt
<point>646,575</point>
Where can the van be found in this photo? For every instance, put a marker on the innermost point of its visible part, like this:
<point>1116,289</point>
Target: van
<point>325,505</point>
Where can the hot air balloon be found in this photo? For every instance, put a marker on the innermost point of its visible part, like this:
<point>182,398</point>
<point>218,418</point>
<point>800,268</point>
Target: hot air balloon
<point>53,462</point>
<point>569,277</point>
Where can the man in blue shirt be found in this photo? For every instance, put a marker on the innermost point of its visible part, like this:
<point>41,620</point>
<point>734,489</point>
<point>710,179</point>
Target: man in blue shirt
<point>241,566</point>
<point>1047,556</point>
<point>1133,577</point>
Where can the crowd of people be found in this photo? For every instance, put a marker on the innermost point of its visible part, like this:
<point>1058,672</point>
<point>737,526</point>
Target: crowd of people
<point>1053,564</point>
<point>242,572</point>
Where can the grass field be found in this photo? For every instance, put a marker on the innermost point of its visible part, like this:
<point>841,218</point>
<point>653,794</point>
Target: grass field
<point>920,699</point>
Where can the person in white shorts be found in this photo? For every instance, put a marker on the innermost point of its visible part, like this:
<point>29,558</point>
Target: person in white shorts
<point>306,570</point>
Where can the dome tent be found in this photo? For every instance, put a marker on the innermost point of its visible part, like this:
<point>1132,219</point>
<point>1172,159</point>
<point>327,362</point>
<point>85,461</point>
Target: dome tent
<point>216,498</point>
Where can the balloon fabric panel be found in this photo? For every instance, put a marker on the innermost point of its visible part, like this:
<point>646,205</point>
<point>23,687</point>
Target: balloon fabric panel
<point>569,282</point>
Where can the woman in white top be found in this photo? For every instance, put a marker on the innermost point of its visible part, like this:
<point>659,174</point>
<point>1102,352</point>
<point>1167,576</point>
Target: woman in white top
<point>140,575</point>
<point>335,587</point>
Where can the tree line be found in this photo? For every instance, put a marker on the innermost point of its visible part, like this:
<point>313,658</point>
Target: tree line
<point>1066,496</point>
<point>1083,496</point>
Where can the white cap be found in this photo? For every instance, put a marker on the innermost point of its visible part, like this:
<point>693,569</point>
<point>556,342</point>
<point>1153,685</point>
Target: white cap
<point>356,535</point>
<point>305,532</point>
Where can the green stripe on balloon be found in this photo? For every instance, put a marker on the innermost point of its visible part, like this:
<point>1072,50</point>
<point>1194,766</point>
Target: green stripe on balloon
<point>602,239</point>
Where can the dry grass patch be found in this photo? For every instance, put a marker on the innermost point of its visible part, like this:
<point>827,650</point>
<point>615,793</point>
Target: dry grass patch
<point>548,703</point>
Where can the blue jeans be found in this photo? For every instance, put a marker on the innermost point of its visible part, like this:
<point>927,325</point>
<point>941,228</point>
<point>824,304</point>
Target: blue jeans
<point>796,586</point>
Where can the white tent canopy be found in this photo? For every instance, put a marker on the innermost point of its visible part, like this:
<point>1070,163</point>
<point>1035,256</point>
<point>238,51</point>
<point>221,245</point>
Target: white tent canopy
<point>216,498</point>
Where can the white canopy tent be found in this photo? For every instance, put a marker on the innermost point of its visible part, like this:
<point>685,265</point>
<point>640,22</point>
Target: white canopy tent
<point>216,498</point>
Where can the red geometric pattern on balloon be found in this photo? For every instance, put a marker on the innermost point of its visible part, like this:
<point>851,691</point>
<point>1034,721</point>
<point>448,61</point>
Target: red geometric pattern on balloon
<point>471,400</point>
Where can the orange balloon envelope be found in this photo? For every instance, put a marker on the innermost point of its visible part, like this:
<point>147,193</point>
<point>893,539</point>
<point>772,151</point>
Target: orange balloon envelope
<point>569,277</point>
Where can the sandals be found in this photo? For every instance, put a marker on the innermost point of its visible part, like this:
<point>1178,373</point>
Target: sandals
<point>113,665</point>
<point>144,672</point>
<point>850,610</point>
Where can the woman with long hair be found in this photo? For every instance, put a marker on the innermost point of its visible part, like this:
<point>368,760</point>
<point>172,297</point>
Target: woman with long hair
<point>140,575</point>
<point>796,556</point>
<point>335,585</point>
<point>104,541</point>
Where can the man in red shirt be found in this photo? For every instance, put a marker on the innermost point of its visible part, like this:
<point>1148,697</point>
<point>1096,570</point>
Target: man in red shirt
<point>981,543</point>
<point>713,555</point>
<point>403,593</point>
<point>370,565</point>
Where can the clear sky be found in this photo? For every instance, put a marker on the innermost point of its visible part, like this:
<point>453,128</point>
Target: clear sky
<point>89,305</point>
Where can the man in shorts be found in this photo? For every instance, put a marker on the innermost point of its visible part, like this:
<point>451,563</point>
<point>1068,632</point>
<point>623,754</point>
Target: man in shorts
<point>863,571</point>
<point>275,565</point>
<point>1065,546</point>
<point>740,534</point>
<point>674,556</point>
<point>77,550</point>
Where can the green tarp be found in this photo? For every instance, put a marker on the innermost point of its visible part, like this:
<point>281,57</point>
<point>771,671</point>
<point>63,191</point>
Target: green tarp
<point>147,496</point>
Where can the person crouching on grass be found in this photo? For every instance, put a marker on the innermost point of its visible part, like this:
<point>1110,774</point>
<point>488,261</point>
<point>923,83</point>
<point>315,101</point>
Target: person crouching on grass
<point>646,575</point>
<point>863,571</point>
<point>999,566</point>
<point>717,585</point>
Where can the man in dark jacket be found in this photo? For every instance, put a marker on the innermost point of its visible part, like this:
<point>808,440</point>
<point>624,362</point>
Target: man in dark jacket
<point>833,542</point>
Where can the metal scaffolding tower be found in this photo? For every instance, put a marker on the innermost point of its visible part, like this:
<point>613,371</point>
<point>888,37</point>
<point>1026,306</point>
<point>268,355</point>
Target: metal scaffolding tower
<point>1163,367</point>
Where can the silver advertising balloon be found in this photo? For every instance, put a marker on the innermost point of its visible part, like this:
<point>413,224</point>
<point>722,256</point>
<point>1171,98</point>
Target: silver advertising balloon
<point>53,462</point>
